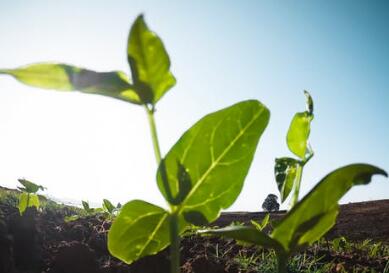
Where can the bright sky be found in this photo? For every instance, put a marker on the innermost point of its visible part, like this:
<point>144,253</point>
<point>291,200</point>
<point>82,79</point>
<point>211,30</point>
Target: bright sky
<point>91,147</point>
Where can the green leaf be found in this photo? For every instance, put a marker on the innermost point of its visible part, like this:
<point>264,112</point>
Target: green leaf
<point>298,134</point>
<point>216,152</point>
<point>108,206</point>
<point>29,186</point>
<point>139,230</point>
<point>246,234</point>
<point>285,171</point>
<point>63,77</point>
<point>321,204</point>
<point>27,200</point>
<point>299,130</point>
<point>149,62</point>
<point>86,206</point>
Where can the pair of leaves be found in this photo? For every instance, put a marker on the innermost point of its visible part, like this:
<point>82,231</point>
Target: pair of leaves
<point>288,170</point>
<point>263,224</point>
<point>29,187</point>
<point>311,218</point>
<point>201,174</point>
<point>147,58</point>
<point>27,200</point>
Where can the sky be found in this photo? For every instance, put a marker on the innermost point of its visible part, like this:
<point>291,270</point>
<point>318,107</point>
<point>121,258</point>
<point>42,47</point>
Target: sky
<point>89,147</point>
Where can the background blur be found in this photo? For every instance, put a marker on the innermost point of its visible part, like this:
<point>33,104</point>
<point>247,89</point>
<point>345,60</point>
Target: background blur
<point>91,147</point>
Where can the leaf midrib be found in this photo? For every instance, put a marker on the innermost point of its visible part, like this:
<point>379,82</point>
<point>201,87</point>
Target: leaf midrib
<point>215,163</point>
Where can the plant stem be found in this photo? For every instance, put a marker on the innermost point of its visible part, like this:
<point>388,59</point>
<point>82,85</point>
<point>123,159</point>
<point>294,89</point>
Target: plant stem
<point>174,228</point>
<point>153,129</point>
<point>295,197</point>
<point>282,263</point>
<point>175,244</point>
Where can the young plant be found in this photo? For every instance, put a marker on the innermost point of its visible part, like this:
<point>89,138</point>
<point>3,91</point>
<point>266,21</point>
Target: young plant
<point>288,171</point>
<point>309,219</point>
<point>263,224</point>
<point>202,173</point>
<point>28,197</point>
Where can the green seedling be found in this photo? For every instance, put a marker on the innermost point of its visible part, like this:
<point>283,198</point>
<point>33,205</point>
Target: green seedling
<point>288,171</point>
<point>263,224</point>
<point>28,197</point>
<point>309,219</point>
<point>202,173</point>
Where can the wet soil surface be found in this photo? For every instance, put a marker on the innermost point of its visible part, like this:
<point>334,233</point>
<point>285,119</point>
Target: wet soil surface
<point>44,243</point>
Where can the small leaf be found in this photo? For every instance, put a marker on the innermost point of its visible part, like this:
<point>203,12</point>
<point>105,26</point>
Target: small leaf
<point>85,205</point>
<point>139,230</point>
<point>321,203</point>
<point>149,62</point>
<point>63,77</point>
<point>299,130</point>
<point>108,206</point>
<point>216,152</point>
<point>265,220</point>
<point>246,234</point>
<point>309,102</point>
<point>29,186</point>
<point>285,170</point>
<point>23,197</point>
<point>298,134</point>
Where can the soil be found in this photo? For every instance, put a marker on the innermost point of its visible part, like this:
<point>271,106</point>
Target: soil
<point>44,243</point>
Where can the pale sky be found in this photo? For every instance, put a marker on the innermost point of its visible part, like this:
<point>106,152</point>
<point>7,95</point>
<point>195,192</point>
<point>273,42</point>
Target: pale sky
<point>87,147</point>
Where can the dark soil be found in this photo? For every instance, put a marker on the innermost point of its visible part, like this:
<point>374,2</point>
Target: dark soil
<point>44,243</point>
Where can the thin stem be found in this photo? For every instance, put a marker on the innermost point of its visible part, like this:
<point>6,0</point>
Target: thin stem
<point>282,263</point>
<point>175,244</point>
<point>153,129</point>
<point>295,197</point>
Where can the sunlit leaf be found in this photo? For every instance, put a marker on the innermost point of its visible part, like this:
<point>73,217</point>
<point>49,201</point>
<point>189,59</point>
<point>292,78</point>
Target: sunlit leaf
<point>322,201</point>
<point>216,152</point>
<point>149,62</point>
<point>139,230</point>
<point>285,171</point>
<point>63,77</point>
<point>299,130</point>
<point>27,200</point>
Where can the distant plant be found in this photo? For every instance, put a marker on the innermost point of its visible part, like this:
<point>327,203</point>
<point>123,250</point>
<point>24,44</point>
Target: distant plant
<point>263,224</point>
<point>271,204</point>
<point>288,171</point>
<point>28,197</point>
<point>310,218</point>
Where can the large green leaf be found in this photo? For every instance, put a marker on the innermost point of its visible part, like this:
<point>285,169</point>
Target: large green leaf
<point>216,152</point>
<point>139,230</point>
<point>149,62</point>
<point>299,130</point>
<point>286,170</point>
<point>321,204</point>
<point>65,77</point>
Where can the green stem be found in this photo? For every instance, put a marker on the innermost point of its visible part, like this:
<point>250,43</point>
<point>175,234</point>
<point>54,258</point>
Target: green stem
<point>174,228</point>
<point>175,244</point>
<point>282,263</point>
<point>153,130</point>
<point>295,197</point>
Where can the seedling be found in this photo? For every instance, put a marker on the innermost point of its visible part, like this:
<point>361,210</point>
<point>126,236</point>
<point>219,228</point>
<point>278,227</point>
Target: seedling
<point>202,173</point>
<point>288,171</point>
<point>263,224</point>
<point>28,197</point>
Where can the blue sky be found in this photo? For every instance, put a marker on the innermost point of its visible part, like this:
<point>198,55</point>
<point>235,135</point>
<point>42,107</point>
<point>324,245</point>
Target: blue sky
<point>90,147</point>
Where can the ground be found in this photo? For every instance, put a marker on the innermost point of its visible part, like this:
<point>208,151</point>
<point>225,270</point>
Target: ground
<point>44,242</point>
